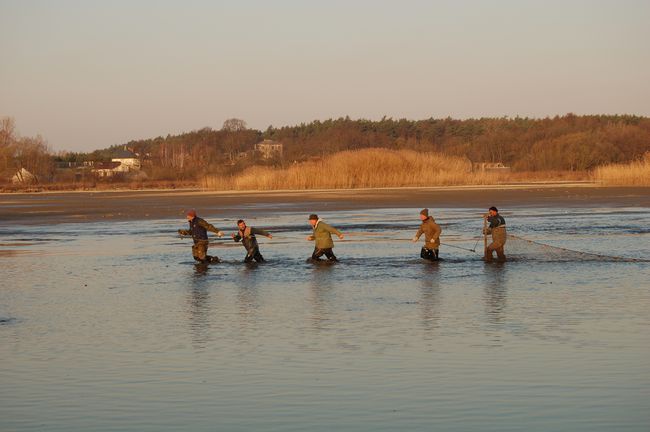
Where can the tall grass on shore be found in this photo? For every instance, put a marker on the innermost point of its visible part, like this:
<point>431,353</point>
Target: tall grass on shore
<point>368,168</point>
<point>635,173</point>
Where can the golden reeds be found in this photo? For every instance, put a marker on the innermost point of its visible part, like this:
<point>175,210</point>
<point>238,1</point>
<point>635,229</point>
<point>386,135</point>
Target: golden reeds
<point>635,173</point>
<point>368,168</point>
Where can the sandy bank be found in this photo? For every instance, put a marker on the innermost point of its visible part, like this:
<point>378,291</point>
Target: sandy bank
<point>62,207</point>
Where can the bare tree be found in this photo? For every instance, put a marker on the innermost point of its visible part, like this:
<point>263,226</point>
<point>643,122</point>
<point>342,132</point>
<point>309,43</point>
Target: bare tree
<point>33,154</point>
<point>7,143</point>
<point>234,125</point>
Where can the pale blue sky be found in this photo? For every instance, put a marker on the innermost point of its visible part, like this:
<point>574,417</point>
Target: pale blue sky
<point>88,74</point>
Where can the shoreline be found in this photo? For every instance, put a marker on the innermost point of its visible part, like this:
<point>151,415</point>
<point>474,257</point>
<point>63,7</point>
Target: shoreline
<point>94,206</point>
<point>515,185</point>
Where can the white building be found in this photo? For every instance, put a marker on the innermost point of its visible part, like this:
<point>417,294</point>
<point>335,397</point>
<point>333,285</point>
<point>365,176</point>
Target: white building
<point>128,160</point>
<point>106,169</point>
<point>269,149</point>
<point>23,176</point>
<point>123,161</point>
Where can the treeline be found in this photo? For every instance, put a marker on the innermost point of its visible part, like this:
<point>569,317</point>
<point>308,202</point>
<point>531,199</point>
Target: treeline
<point>561,143</point>
<point>566,142</point>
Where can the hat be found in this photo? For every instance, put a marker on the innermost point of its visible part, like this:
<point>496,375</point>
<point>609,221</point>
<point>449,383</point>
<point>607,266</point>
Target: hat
<point>494,209</point>
<point>425,212</point>
<point>191,213</point>
<point>313,216</point>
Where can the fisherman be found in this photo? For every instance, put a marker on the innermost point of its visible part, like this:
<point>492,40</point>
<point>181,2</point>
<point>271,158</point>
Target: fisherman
<point>323,237</point>
<point>497,227</point>
<point>431,231</point>
<point>199,231</point>
<point>247,237</point>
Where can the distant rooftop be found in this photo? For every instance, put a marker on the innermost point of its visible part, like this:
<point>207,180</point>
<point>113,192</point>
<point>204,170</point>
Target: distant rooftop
<point>124,154</point>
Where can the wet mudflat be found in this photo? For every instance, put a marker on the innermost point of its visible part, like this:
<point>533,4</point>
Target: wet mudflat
<point>111,326</point>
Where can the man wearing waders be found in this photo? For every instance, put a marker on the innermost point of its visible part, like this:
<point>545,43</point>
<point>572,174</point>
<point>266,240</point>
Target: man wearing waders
<point>431,231</point>
<point>496,225</point>
<point>247,237</point>
<point>199,231</point>
<point>323,237</point>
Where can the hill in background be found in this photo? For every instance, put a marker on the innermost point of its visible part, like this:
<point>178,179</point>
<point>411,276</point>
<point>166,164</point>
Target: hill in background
<point>545,147</point>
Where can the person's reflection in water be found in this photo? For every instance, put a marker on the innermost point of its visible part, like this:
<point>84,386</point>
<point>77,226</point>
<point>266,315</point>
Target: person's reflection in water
<point>321,292</point>
<point>430,297</point>
<point>247,293</point>
<point>496,292</point>
<point>198,310</point>
<point>200,269</point>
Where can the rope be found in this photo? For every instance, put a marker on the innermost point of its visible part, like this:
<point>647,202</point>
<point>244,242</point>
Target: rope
<point>459,247</point>
<point>478,239</point>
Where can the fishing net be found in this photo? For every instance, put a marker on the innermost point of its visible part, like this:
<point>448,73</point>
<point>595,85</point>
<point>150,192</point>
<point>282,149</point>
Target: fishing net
<point>518,248</point>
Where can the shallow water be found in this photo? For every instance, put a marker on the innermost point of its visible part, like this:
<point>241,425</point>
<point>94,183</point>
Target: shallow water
<point>111,326</point>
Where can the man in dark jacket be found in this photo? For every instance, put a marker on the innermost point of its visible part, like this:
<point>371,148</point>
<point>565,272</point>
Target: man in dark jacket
<point>431,231</point>
<point>247,237</point>
<point>496,225</point>
<point>322,236</point>
<point>199,231</point>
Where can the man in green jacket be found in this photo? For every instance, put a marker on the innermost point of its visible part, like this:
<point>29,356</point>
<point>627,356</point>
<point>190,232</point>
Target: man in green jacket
<point>323,237</point>
<point>247,237</point>
<point>431,231</point>
<point>199,231</point>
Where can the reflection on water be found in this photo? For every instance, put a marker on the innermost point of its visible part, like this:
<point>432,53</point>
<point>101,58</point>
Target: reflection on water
<point>247,297</point>
<point>496,291</point>
<point>431,296</point>
<point>198,315</point>
<point>321,294</point>
<point>106,333</point>
<point>200,269</point>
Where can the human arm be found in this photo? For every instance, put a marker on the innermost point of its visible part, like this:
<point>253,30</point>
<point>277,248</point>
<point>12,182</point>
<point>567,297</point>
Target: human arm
<point>487,227</point>
<point>184,232</point>
<point>258,231</point>
<point>417,235</point>
<point>330,229</point>
<point>210,227</point>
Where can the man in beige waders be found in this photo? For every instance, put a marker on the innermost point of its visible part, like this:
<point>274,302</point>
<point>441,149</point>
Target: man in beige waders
<point>495,225</point>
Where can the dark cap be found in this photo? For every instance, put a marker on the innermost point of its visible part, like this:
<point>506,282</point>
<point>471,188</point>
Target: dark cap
<point>425,212</point>
<point>313,216</point>
<point>494,209</point>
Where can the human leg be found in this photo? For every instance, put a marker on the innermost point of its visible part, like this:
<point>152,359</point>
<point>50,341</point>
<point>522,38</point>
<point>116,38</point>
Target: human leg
<point>500,253</point>
<point>200,251</point>
<point>196,252</point>
<point>429,254</point>
<point>258,256</point>
<point>489,252</point>
<point>329,253</point>
<point>317,253</point>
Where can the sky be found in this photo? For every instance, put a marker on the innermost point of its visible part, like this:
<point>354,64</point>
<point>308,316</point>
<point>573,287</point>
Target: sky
<point>90,74</point>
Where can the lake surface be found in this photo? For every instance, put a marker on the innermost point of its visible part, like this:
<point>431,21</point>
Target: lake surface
<point>111,326</point>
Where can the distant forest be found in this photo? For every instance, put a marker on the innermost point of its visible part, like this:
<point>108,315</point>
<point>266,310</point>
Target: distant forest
<point>568,142</point>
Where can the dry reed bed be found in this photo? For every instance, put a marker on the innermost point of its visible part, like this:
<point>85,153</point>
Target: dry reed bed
<point>635,173</point>
<point>369,168</point>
